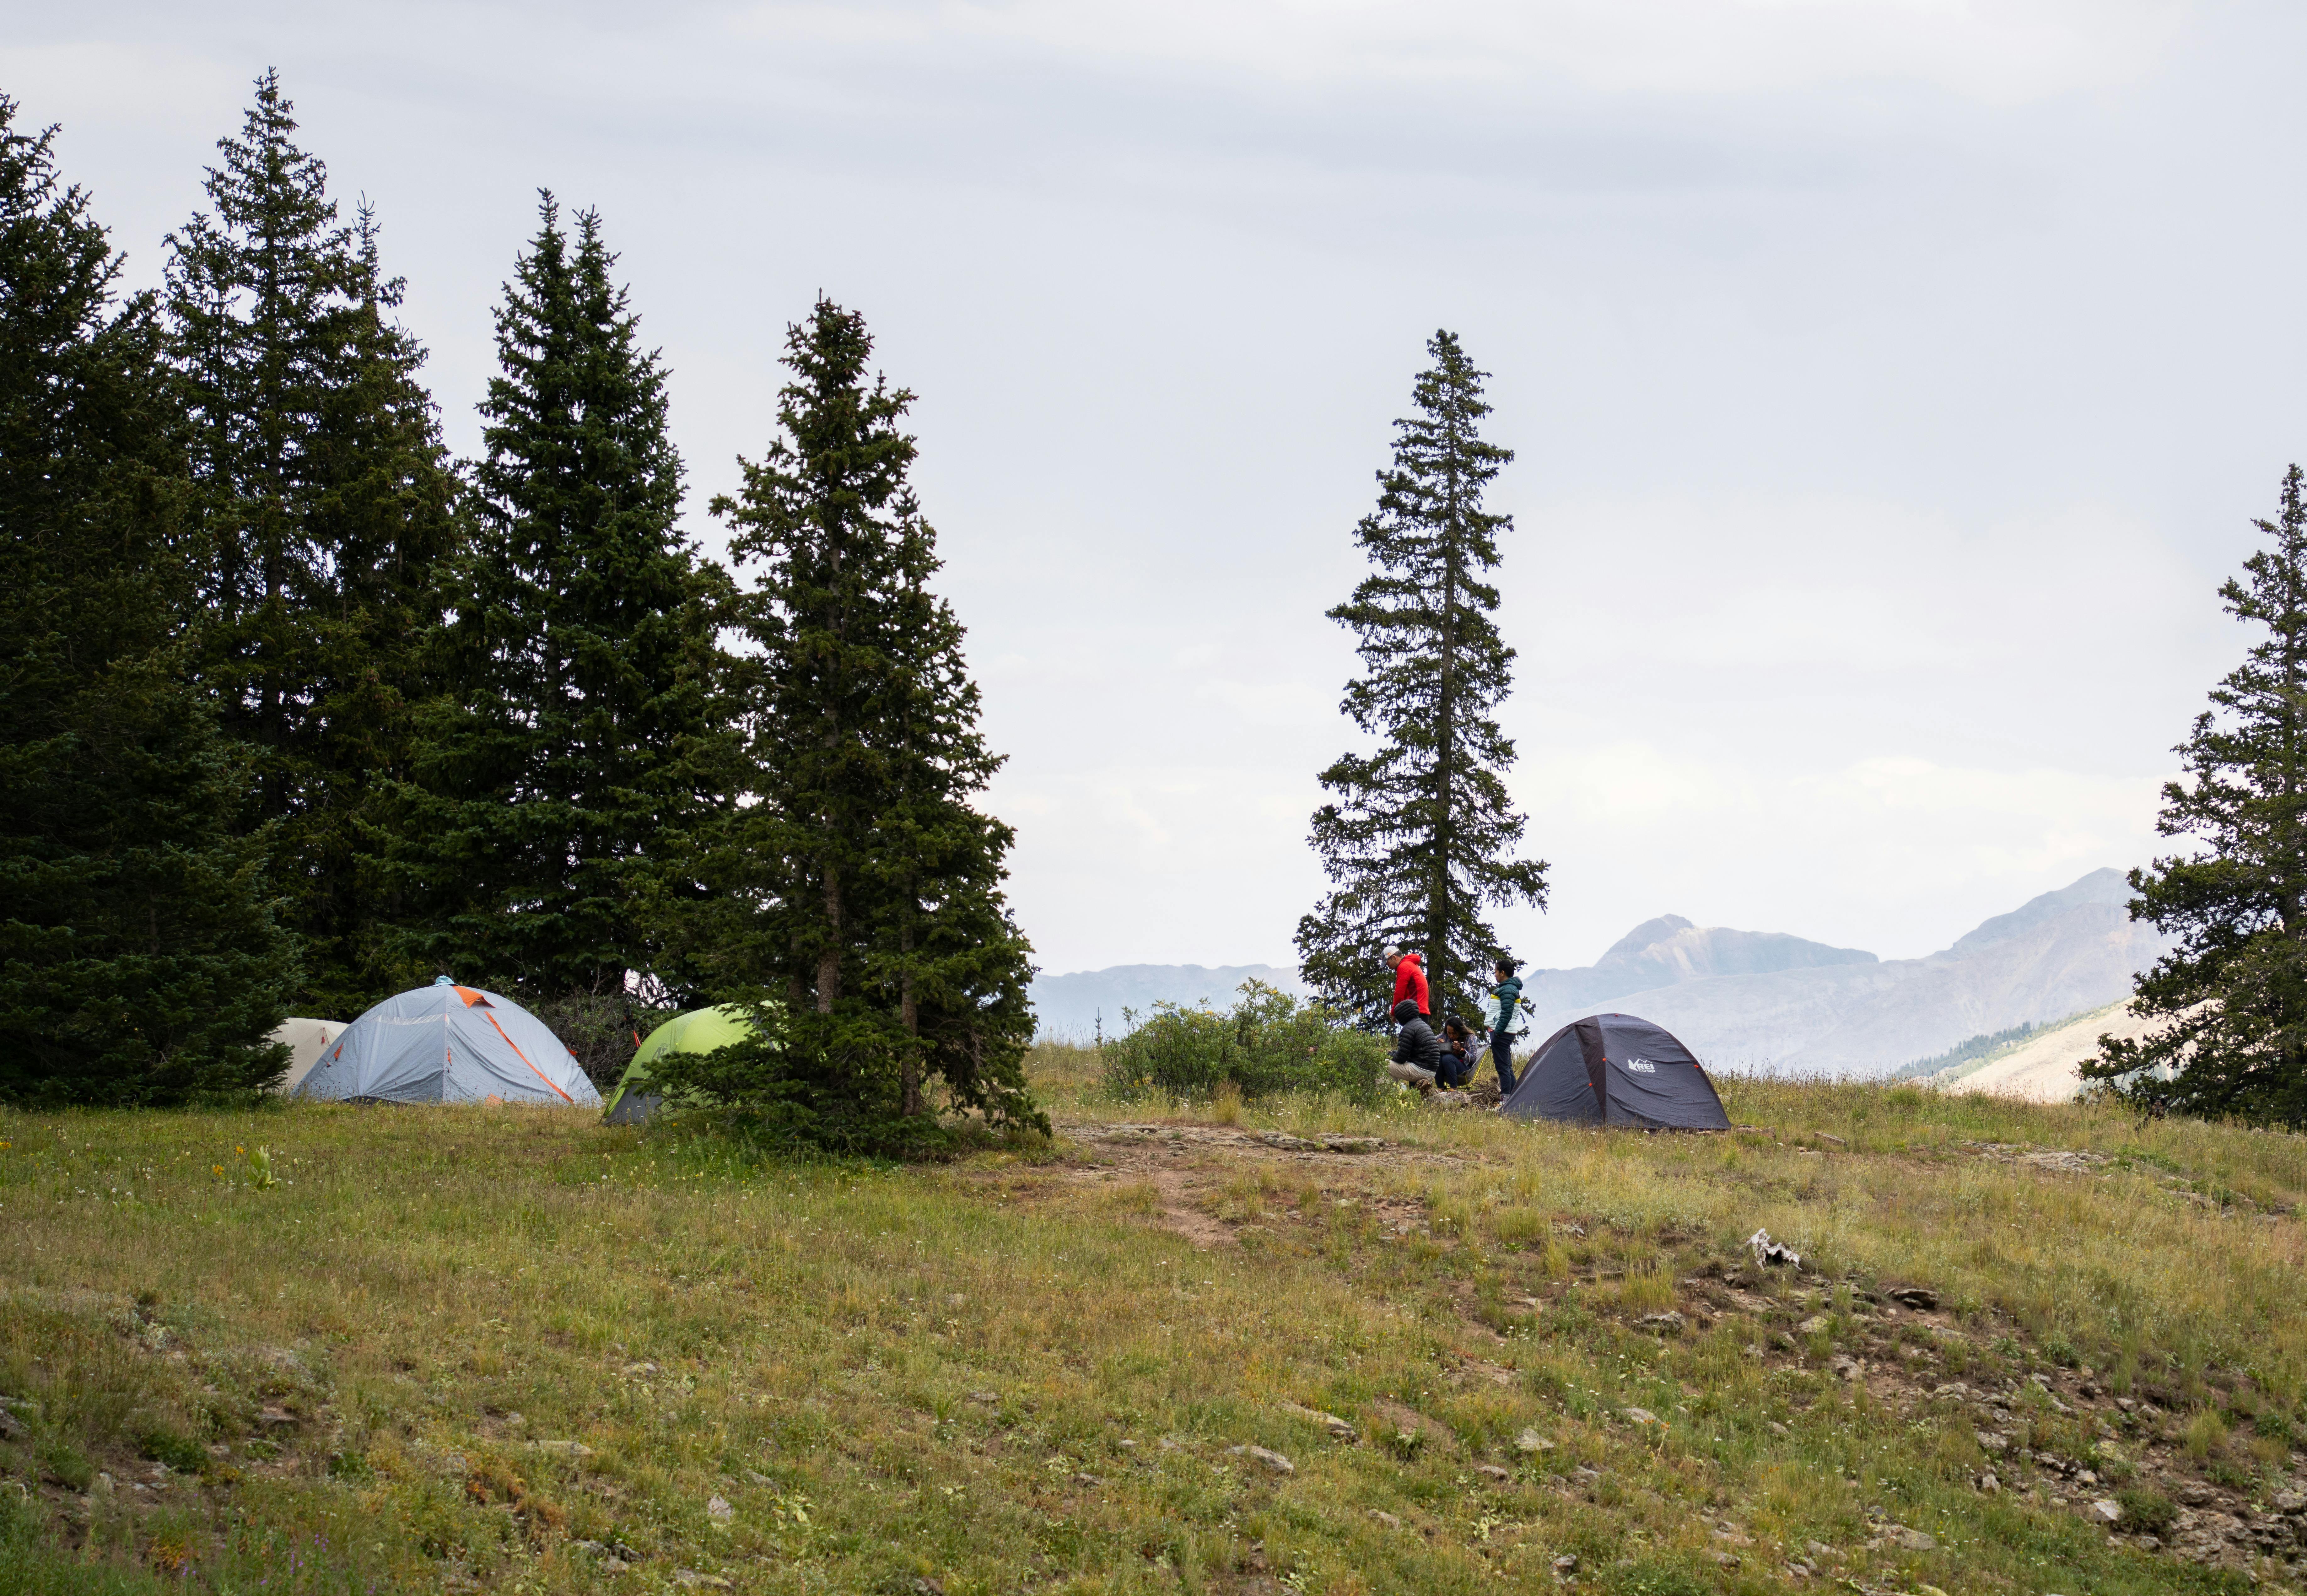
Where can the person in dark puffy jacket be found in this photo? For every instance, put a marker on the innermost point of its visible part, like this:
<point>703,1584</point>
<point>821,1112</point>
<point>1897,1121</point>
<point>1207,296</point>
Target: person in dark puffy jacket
<point>1417,1050</point>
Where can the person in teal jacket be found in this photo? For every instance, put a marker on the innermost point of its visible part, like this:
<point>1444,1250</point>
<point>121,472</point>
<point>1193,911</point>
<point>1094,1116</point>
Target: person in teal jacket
<point>1507,994</point>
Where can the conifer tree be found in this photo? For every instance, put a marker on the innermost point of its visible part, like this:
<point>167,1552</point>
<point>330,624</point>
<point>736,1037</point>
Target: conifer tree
<point>580,656</point>
<point>1421,835</point>
<point>941,944</point>
<point>2233,994</point>
<point>854,883</point>
<point>138,962</point>
<point>324,505</point>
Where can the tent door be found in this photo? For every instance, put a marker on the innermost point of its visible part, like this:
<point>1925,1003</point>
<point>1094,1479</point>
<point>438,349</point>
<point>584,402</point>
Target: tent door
<point>1598,1063</point>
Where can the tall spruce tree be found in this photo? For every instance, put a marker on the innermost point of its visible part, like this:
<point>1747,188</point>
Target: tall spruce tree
<point>138,961</point>
<point>1419,838</point>
<point>324,506</point>
<point>853,881</point>
<point>2233,993</point>
<point>579,659</point>
<point>942,944</point>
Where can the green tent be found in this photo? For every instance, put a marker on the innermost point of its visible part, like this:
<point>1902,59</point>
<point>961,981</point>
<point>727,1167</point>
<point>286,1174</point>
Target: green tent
<point>699,1031</point>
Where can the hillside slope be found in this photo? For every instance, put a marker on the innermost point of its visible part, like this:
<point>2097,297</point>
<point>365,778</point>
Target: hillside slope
<point>2043,1068</point>
<point>1242,1348</point>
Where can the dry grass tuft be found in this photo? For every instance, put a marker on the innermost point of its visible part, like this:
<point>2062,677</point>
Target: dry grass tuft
<point>1226,1104</point>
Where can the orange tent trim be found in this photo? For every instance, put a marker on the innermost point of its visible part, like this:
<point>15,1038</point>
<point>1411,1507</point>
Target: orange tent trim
<point>523,1057</point>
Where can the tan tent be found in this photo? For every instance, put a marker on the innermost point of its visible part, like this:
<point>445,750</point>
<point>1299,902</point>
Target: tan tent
<point>307,1040</point>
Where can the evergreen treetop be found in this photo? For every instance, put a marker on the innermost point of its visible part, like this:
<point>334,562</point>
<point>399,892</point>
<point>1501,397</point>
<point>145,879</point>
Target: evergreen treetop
<point>826,513</point>
<point>323,506</point>
<point>581,655</point>
<point>138,963</point>
<point>2233,993</point>
<point>854,881</point>
<point>1421,835</point>
<point>945,944</point>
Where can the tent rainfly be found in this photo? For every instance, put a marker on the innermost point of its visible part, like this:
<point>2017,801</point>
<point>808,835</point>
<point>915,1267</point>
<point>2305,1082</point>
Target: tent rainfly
<point>449,1044</point>
<point>1615,1070</point>
<point>698,1031</point>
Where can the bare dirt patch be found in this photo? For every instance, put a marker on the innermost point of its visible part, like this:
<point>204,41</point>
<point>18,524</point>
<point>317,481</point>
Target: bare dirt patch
<point>1185,1165</point>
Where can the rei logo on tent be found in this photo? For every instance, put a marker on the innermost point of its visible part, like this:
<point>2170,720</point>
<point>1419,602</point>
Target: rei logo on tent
<point>1642,1067</point>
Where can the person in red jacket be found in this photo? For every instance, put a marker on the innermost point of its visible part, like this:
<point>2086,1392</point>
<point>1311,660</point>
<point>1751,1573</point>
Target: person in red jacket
<point>1408,979</point>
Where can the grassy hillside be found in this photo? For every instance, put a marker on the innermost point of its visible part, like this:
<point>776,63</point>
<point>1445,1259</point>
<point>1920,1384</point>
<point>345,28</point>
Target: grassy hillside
<point>516,1351</point>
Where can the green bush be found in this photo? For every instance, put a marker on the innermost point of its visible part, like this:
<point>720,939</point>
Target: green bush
<point>165,1446</point>
<point>34,1563</point>
<point>67,1466</point>
<point>1270,1043</point>
<point>2235,1476</point>
<point>2145,1509</point>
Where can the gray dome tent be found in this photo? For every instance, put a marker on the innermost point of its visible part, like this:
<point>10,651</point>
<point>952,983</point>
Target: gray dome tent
<point>449,1044</point>
<point>1615,1070</point>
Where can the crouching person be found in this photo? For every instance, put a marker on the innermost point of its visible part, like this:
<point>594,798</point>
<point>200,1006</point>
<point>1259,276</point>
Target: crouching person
<point>1417,1050</point>
<point>1459,1054</point>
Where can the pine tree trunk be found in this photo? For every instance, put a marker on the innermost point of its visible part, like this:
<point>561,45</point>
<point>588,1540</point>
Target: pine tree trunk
<point>1438,974</point>
<point>909,1013</point>
<point>828,963</point>
<point>1423,834</point>
<point>2290,906</point>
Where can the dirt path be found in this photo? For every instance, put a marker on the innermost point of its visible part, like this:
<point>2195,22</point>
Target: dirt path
<point>1185,1165</point>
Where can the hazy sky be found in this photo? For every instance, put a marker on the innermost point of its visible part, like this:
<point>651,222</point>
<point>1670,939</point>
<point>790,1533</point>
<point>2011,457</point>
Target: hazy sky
<point>1893,382</point>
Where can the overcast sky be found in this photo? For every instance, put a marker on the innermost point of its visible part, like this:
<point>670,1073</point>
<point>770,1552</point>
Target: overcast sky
<point>1892,382</point>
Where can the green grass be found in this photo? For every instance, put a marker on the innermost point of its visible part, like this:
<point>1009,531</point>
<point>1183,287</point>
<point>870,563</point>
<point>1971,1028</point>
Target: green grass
<point>508,1349</point>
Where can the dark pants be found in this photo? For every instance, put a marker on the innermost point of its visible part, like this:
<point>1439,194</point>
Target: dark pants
<point>1463,1064</point>
<point>1502,1057</point>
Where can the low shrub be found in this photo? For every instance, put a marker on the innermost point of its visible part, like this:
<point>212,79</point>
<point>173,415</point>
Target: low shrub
<point>1522,1226</point>
<point>2228,1472</point>
<point>180,1453</point>
<point>1271,1042</point>
<point>1646,1291</point>
<point>2206,1435</point>
<point>2145,1510</point>
<point>67,1466</point>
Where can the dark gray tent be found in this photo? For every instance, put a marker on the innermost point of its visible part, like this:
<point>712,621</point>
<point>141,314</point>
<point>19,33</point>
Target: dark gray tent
<point>1615,1070</point>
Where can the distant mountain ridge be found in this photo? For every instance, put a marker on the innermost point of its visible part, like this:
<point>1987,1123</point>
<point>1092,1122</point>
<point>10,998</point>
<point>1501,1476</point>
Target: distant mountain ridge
<point>1757,1000</point>
<point>1670,950</point>
<point>2056,954</point>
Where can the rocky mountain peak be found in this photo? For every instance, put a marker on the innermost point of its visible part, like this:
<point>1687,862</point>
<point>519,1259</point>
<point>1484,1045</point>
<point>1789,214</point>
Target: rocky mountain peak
<point>1650,933</point>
